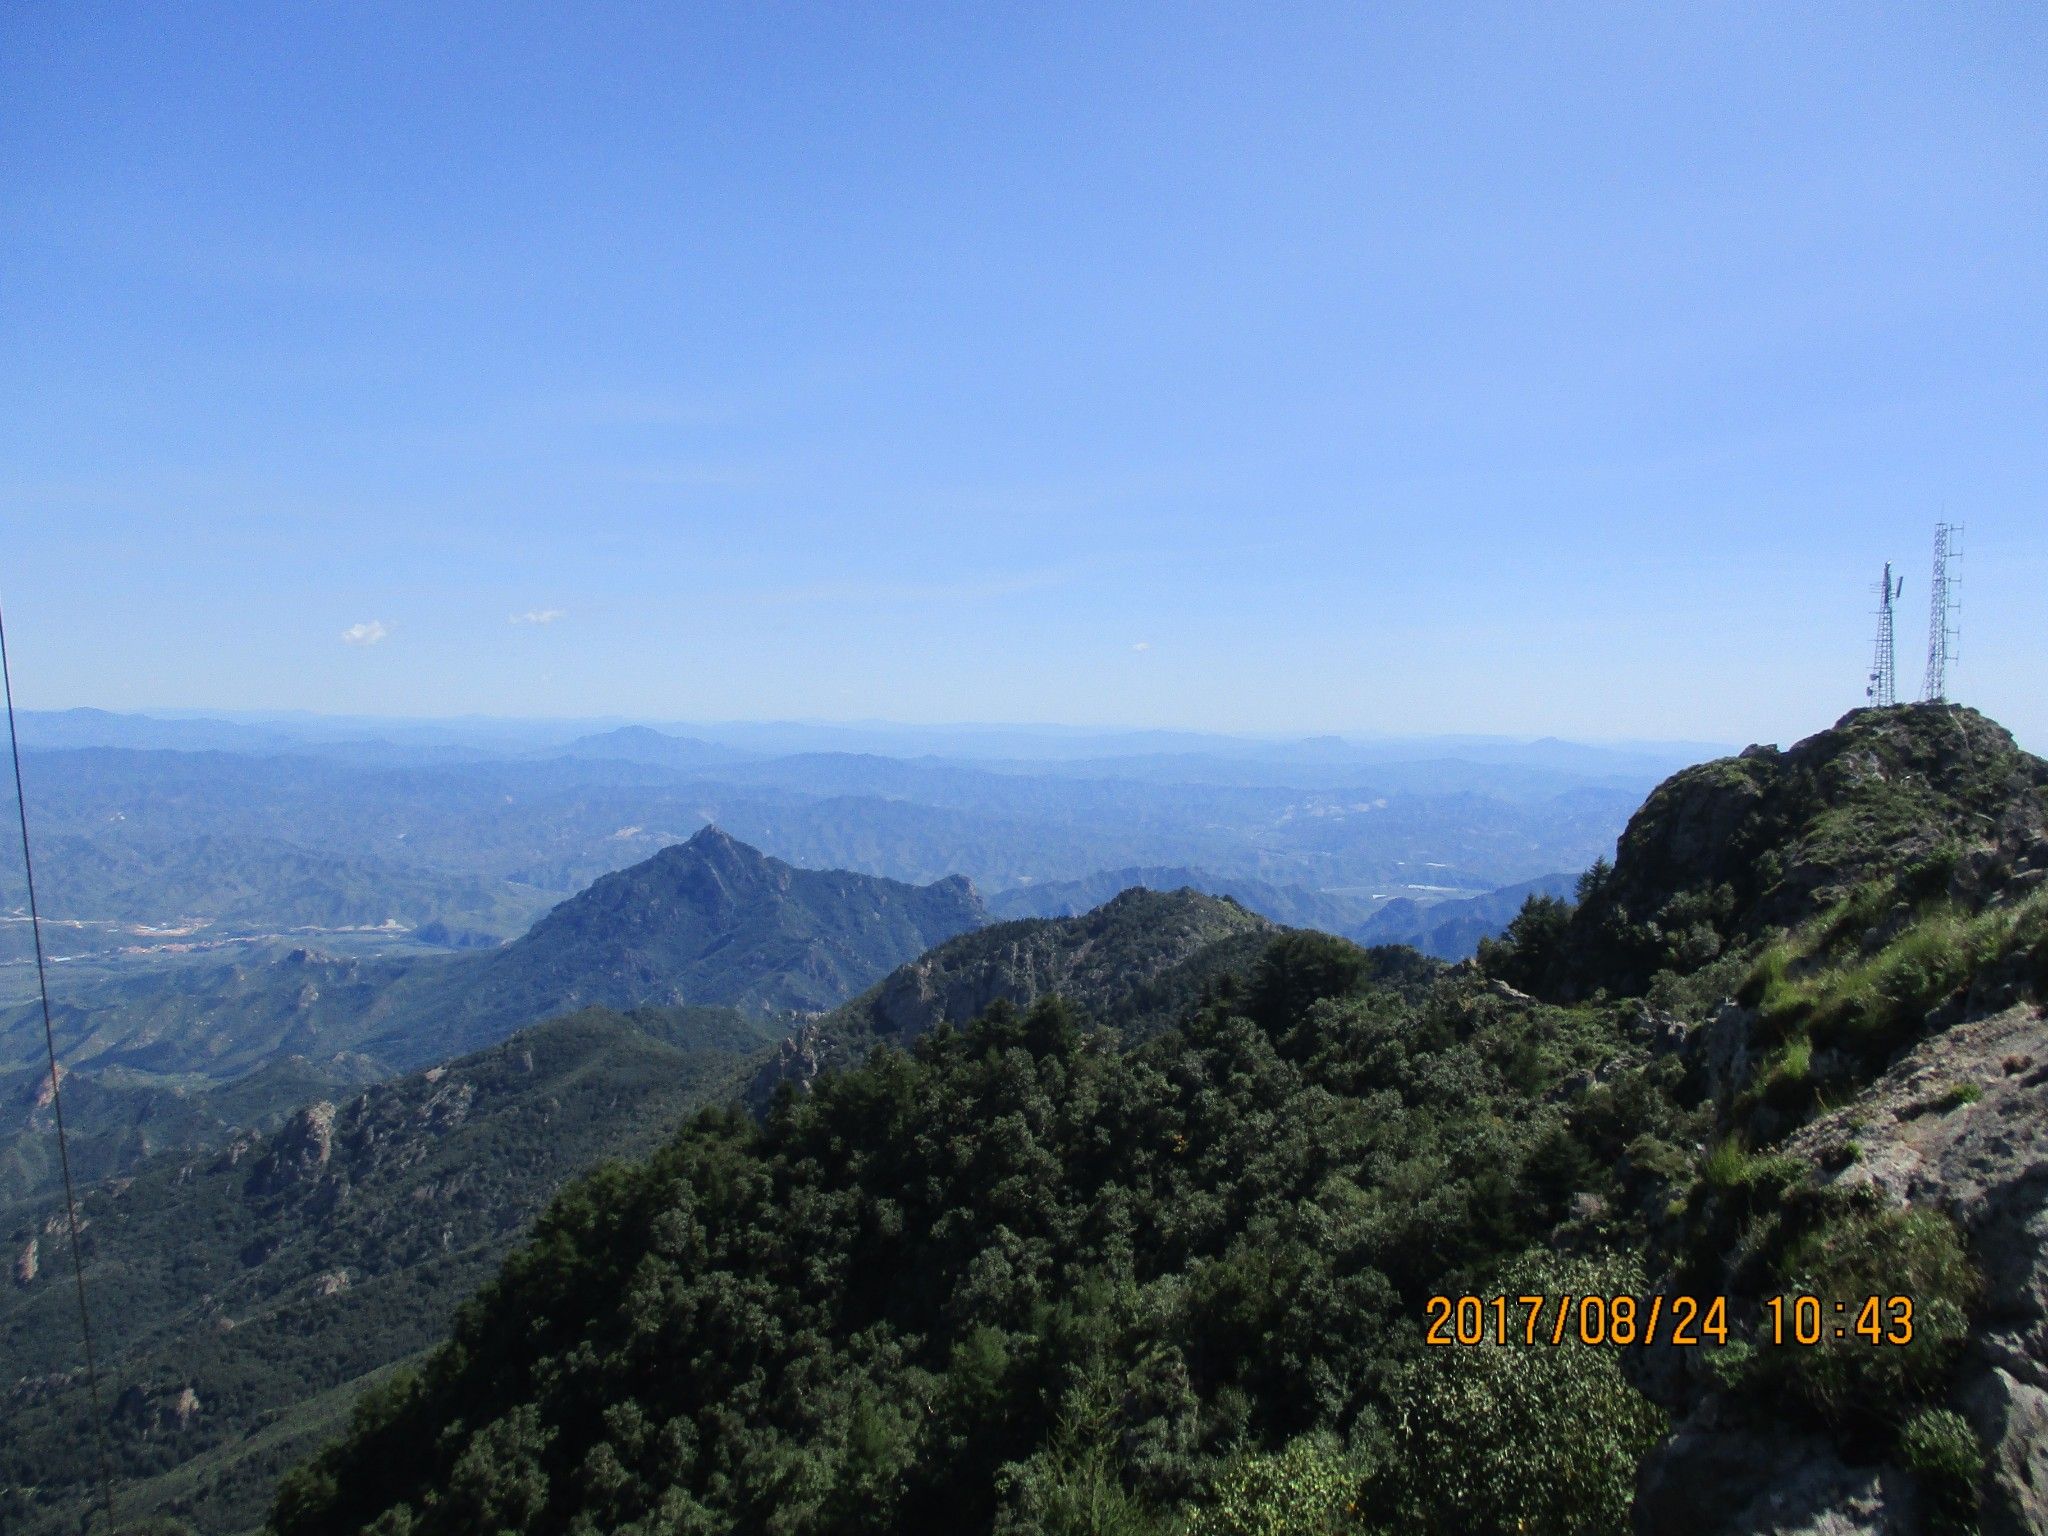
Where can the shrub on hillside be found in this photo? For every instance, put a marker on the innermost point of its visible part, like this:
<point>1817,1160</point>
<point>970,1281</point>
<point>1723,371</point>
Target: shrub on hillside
<point>1862,1253</point>
<point>1537,1438</point>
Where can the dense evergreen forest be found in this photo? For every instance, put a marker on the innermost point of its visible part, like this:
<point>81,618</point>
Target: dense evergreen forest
<point>1018,1277</point>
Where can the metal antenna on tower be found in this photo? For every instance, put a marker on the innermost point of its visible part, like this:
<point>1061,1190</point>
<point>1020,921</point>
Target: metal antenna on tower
<point>1883,689</point>
<point>1944,601</point>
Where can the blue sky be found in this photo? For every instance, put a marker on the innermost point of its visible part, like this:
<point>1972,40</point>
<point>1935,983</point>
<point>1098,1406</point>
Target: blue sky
<point>1564,369</point>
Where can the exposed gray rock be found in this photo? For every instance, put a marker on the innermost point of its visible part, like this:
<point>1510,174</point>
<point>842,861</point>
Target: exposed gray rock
<point>1715,1480</point>
<point>299,1151</point>
<point>1665,1033</point>
<point>2012,1419</point>
<point>1960,1124</point>
<point>1723,1053</point>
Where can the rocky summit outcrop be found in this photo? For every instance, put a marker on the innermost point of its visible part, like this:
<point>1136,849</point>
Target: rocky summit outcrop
<point>1961,1126</point>
<point>299,1153</point>
<point>1734,848</point>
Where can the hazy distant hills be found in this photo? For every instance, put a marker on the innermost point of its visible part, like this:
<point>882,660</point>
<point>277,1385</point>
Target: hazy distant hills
<point>1081,750</point>
<point>248,841</point>
<point>48,729</point>
<point>127,885</point>
<point>1451,930</point>
<point>639,744</point>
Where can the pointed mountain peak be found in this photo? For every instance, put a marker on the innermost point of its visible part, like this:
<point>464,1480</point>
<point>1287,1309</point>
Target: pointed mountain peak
<point>713,920</point>
<point>713,848</point>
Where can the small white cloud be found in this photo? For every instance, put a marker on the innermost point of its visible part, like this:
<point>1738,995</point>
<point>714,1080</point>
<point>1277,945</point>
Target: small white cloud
<point>539,616</point>
<point>366,634</point>
<point>1142,645</point>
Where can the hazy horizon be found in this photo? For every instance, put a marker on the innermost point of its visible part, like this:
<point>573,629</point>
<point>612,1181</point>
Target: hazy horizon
<point>1049,728</point>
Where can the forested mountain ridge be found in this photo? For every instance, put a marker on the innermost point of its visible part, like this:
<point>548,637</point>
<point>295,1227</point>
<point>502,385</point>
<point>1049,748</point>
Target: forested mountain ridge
<point>734,926</point>
<point>1292,906</point>
<point>110,1126</point>
<point>1099,961</point>
<point>239,1294</point>
<point>1016,1278</point>
<point>357,1225</point>
<point>216,1021</point>
<point>1135,959</point>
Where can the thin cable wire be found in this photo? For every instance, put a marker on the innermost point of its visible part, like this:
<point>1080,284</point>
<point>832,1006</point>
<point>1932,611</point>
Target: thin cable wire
<point>35,926</point>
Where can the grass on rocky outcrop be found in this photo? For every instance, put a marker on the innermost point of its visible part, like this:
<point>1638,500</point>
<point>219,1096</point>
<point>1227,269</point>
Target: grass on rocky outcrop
<point>1859,1008</point>
<point>1943,1451</point>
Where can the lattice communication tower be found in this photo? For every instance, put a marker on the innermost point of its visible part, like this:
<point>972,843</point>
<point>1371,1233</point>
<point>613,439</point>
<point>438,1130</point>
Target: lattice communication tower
<point>1944,602</point>
<point>1883,688</point>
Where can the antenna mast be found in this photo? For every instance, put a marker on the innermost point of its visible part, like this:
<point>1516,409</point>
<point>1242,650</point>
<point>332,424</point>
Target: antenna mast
<point>1883,688</point>
<point>1943,603</point>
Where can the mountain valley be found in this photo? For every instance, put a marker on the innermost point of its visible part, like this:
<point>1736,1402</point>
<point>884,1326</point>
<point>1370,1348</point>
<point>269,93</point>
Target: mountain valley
<point>240,1289</point>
